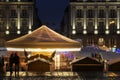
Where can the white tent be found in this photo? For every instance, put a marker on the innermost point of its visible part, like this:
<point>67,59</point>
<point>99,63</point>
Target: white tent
<point>43,38</point>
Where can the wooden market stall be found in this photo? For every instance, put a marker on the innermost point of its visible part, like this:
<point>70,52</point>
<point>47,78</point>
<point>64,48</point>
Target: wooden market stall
<point>86,64</point>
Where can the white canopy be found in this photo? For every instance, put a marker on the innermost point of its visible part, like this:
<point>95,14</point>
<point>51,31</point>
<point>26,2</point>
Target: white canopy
<point>43,37</point>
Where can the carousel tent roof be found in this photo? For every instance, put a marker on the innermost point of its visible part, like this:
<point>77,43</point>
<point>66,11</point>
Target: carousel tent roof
<point>43,37</point>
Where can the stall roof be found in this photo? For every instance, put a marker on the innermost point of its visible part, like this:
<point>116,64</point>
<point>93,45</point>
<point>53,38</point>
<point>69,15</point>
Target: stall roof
<point>85,60</point>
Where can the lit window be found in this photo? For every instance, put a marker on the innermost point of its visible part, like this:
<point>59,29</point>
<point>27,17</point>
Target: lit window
<point>112,22</point>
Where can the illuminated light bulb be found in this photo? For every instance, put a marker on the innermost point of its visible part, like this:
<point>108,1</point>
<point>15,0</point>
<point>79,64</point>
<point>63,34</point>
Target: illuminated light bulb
<point>84,32</point>
<point>18,32</point>
<point>118,32</point>
<point>73,32</point>
<point>29,32</point>
<point>7,32</point>
<point>107,32</point>
<point>95,32</point>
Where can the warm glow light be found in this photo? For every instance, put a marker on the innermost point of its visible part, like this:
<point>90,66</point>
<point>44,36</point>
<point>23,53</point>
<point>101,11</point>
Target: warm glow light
<point>112,22</point>
<point>95,32</point>
<point>114,46</point>
<point>84,32</point>
<point>112,74</point>
<point>84,27</point>
<point>7,32</point>
<point>44,50</point>
<point>118,32</point>
<point>107,32</point>
<point>7,27</point>
<point>73,32</point>
<point>96,27</point>
<point>101,39</point>
<point>29,32</point>
<point>18,32</point>
<point>29,56</point>
<point>57,61</point>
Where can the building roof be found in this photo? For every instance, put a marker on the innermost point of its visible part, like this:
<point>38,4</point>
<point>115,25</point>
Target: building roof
<point>85,60</point>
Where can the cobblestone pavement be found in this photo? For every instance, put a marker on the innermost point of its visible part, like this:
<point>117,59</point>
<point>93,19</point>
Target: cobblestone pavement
<point>41,76</point>
<point>63,76</point>
<point>99,75</point>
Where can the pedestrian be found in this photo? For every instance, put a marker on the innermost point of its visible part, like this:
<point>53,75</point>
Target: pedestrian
<point>17,63</point>
<point>1,65</point>
<point>11,62</point>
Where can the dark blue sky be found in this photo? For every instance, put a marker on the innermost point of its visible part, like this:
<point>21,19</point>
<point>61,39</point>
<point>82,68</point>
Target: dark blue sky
<point>51,11</point>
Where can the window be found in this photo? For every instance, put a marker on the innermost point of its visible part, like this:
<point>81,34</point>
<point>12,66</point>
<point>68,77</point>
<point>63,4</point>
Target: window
<point>13,27</point>
<point>101,27</point>
<point>24,26</point>
<point>112,13</point>
<point>112,42</point>
<point>24,13</point>
<point>13,23</point>
<point>79,13</point>
<point>90,13</point>
<point>89,41</point>
<point>90,27</point>
<point>2,26</point>
<point>13,13</point>
<point>1,13</point>
<point>113,28</point>
<point>101,13</point>
<point>79,27</point>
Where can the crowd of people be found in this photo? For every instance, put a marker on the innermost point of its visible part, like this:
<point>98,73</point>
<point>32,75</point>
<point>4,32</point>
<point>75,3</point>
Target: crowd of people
<point>13,64</point>
<point>14,60</point>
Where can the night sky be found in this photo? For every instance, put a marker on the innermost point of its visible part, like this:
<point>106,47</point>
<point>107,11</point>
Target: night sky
<point>51,11</point>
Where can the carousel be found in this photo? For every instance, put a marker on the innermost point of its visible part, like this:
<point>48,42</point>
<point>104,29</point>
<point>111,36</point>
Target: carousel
<point>44,49</point>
